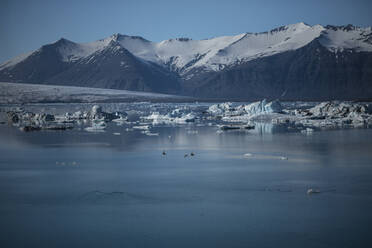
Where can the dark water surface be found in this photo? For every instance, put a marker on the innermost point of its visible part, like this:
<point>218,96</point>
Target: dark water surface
<point>80,189</point>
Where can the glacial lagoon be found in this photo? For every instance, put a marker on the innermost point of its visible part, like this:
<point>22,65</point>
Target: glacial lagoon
<point>188,185</point>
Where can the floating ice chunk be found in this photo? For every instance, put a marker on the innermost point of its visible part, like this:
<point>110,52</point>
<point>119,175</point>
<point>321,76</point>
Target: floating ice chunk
<point>262,107</point>
<point>148,133</point>
<point>219,108</point>
<point>157,118</point>
<point>229,127</point>
<point>96,127</point>
<point>116,133</point>
<point>96,109</point>
<point>96,113</point>
<point>185,118</point>
<point>141,127</point>
<point>255,107</point>
<point>343,109</point>
<point>312,191</point>
<point>273,107</point>
<point>336,115</point>
<point>176,111</point>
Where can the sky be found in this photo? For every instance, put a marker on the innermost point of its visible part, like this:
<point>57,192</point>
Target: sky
<point>26,25</point>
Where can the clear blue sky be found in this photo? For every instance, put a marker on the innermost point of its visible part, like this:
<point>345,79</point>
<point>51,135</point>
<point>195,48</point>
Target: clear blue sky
<point>28,24</point>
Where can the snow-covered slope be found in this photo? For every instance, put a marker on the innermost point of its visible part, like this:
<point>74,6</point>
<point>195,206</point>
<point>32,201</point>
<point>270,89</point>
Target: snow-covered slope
<point>71,51</point>
<point>347,37</point>
<point>252,46</point>
<point>182,55</point>
<point>15,60</point>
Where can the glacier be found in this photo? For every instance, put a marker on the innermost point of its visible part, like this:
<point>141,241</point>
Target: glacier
<point>37,93</point>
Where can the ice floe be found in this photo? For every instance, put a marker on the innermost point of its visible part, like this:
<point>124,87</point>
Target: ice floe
<point>98,126</point>
<point>257,118</point>
<point>325,115</point>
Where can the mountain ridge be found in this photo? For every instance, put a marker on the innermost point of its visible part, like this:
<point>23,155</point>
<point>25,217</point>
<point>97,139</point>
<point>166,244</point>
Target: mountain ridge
<point>185,66</point>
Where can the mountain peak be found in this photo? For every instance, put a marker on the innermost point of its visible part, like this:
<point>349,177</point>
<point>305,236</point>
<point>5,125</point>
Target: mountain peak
<point>300,24</point>
<point>63,41</point>
<point>116,36</point>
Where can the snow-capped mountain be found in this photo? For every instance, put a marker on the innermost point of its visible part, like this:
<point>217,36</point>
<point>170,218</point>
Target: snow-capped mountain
<point>215,54</point>
<point>184,65</point>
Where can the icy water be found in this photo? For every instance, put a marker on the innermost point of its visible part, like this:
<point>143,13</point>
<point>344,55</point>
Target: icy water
<point>79,189</point>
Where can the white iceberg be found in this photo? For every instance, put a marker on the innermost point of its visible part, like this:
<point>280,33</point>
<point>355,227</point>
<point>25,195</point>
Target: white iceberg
<point>263,107</point>
<point>96,127</point>
<point>158,119</point>
<point>220,108</point>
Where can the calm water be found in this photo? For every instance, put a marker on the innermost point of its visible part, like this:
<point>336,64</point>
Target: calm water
<point>80,189</point>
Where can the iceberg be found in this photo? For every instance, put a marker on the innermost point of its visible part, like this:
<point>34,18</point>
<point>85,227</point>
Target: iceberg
<point>99,126</point>
<point>263,107</point>
<point>158,119</point>
<point>243,112</point>
<point>220,108</point>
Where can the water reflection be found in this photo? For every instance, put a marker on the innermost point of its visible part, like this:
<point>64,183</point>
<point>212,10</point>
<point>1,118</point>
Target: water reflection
<point>103,188</point>
<point>266,139</point>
